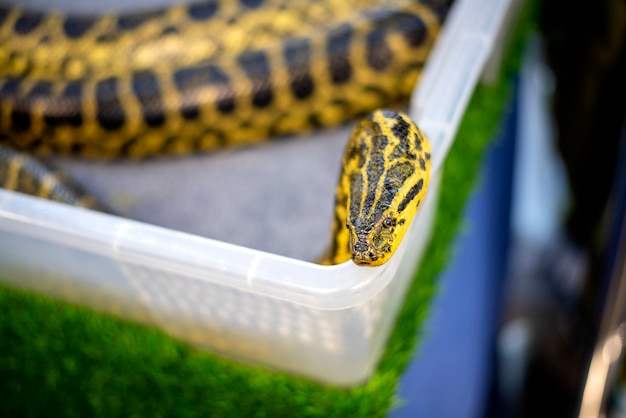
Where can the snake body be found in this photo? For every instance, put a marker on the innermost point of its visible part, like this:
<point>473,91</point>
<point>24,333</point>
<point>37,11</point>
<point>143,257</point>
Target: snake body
<point>26,174</point>
<point>224,73</point>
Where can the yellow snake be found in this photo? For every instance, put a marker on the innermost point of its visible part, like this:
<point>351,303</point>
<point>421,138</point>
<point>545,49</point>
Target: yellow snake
<point>384,177</point>
<point>223,73</point>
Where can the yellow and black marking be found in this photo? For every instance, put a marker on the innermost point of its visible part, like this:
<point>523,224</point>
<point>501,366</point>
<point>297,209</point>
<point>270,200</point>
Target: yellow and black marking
<point>384,178</point>
<point>23,173</point>
<point>226,73</point>
<point>205,75</point>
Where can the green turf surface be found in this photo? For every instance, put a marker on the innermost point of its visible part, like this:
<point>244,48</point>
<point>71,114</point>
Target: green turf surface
<point>61,360</point>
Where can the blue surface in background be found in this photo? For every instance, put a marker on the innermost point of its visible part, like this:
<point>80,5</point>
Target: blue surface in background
<point>452,373</point>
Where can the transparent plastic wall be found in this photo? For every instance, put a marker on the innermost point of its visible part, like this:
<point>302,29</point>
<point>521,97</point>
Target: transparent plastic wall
<point>328,323</point>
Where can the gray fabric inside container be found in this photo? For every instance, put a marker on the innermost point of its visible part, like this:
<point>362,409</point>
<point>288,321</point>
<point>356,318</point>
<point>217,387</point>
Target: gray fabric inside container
<point>277,196</point>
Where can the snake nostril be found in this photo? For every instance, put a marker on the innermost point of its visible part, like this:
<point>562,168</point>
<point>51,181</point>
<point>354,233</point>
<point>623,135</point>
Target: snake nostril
<point>360,247</point>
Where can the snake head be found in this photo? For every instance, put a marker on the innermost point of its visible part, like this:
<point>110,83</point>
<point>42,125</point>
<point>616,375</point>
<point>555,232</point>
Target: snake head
<point>385,175</point>
<point>372,243</point>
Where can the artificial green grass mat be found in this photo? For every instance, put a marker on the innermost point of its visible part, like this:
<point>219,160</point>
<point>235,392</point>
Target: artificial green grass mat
<point>61,360</point>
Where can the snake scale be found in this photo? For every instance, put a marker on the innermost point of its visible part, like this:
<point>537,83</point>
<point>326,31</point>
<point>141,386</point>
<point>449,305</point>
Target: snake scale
<point>201,76</point>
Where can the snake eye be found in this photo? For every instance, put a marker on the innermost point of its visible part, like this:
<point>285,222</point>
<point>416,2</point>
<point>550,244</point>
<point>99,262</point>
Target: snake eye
<point>388,223</point>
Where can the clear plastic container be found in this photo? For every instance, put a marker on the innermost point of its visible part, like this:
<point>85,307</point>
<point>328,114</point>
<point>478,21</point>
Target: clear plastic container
<point>328,323</point>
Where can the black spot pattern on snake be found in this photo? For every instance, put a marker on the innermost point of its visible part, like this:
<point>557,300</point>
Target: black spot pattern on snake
<point>202,11</point>
<point>20,119</point>
<point>146,88</point>
<point>134,20</point>
<point>402,150</point>
<point>107,37</point>
<point>226,96</point>
<point>42,89</point>
<point>188,80</point>
<point>298,60</point>
<point>337,49</point>
<point>10,88</point>
<point>412,28</point>
<point>378,53</point>
<point>110,111</point>
<point>4,12</point>
<point>401,128</point>
<point>359,152</point>
<point>169,30</point>
<point>356,191</point>
<point>9,91</point>
<point>28,22</point>
<point>70,110</point>
<point>396,175</point>
<point>256,65</point>
<point>20,114</point>
<point>418,142</point>
<point>376,167</point>
<point>76,26</point>
<point>74,92</point>
<point>411,195</point>
<point>252,4</point>
<point>185,79</point>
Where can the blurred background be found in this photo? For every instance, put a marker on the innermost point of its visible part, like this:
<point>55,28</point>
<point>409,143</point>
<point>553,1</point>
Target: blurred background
<point>530,320</point>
